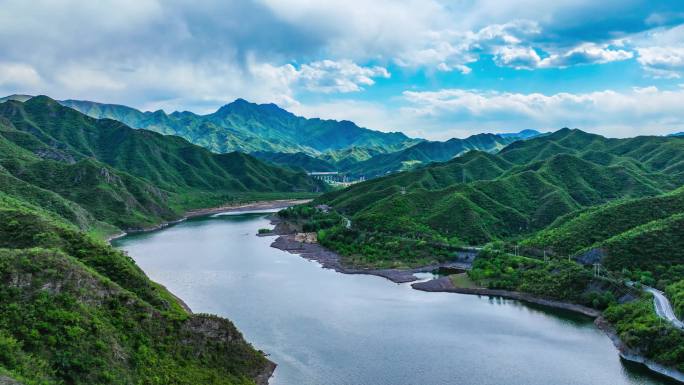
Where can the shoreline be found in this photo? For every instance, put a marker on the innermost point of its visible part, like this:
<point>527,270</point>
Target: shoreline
<point>263,377</point>
<point>330,260</point>
<point>631,355</point>
<point>230,208</point>
<point>444,285</point>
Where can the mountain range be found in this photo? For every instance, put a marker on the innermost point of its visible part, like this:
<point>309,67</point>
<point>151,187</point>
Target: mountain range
<point>273,134</point>
<point>249,127</point>
<point>122,176</point>
<point>481,197</point>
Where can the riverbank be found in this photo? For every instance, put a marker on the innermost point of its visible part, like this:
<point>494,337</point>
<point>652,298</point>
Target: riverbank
<point>237,207</point>
<point>330,260</point>
<point>633,356</point>
<point>444,284</point>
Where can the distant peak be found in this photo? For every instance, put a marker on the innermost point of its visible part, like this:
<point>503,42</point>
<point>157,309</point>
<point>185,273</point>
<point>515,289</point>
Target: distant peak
<point>242,106</point>
<point>16,97</point>
<point>42,99</point>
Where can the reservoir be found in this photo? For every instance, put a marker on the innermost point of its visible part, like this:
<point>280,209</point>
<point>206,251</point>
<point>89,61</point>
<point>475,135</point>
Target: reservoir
<point>327,328</point>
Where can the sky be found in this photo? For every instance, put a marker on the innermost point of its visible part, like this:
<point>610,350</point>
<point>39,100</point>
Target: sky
<point>429,68</point>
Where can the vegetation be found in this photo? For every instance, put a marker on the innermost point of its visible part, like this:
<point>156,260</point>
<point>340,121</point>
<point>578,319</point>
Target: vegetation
<point>675,293</point>
<point>525,188</point>
<point>121,176</point>
<point>427,152</point>
<point>277,136</point>
<point>639,327</point>
<point>557,279</point>
<point>75,310</point>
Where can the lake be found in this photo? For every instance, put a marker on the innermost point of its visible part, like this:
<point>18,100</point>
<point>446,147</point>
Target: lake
<point>323,327</point>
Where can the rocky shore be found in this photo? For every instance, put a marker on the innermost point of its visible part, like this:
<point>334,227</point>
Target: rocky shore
<point>443,284</point>
<point>331,260</point>
<point>631,355</point>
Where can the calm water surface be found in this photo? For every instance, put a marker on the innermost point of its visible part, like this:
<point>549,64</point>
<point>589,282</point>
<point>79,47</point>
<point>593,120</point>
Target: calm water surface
<point>322,327</point>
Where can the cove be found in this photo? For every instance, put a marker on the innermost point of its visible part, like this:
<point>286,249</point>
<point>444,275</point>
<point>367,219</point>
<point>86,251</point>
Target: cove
<point>327,328</point>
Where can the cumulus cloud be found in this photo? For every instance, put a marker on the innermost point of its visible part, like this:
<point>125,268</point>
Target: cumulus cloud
<point>646,110</point>
<point>587,53</point>
<point>451,49</point>
<point>18,75</point>
<point>666,62</point>
<point>520,57</point>
<point>517,57</point>
<point>338,76</point>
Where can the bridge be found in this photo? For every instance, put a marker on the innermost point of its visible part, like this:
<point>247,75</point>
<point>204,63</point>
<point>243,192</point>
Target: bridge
<point>334,177</point>
<point>327,176</point>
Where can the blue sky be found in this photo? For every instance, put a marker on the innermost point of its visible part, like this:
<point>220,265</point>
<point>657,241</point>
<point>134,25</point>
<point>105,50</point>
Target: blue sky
<point>430,68</point>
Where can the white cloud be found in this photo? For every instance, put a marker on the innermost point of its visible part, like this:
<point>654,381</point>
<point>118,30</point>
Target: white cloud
<point>198,55</point>
<point>18,75</point>
<point>451,49</point>
<point>520,57</point>
<point>517,57</point>
<point>326,76</point>
<point>588,53</point>
<point>338,76</point>
<point>662,62</point>
<point>646,110</point>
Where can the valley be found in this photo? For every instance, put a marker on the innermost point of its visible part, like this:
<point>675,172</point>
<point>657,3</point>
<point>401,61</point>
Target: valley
<point>528,218</point>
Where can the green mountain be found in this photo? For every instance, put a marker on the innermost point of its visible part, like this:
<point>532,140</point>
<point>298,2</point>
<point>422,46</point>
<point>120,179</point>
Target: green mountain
<point>544,209</point>
<point>481,197</point>
<point>75,310</point>
<point>633,233</point>
<point>370,163</point>
<point>280,137</point>
<point>123,176</point>
<point>17,97</point>
<point>427,152</point>
<point>248,127</point>
<point>297,160</point>
<point>524,134</point>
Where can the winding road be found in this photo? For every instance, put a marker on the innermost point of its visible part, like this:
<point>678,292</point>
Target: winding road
<point>663,307</point>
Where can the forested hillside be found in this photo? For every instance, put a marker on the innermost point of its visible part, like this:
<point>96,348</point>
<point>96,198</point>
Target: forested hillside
<point>123,176</point>
<point>75,310</point>
<point>479,197</point>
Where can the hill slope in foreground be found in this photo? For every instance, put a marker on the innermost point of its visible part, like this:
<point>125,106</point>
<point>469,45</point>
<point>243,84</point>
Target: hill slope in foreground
<point>75,310</point>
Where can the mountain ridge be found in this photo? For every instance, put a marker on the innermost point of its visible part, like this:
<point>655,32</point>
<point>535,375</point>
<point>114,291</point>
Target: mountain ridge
<point>240,125</point>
